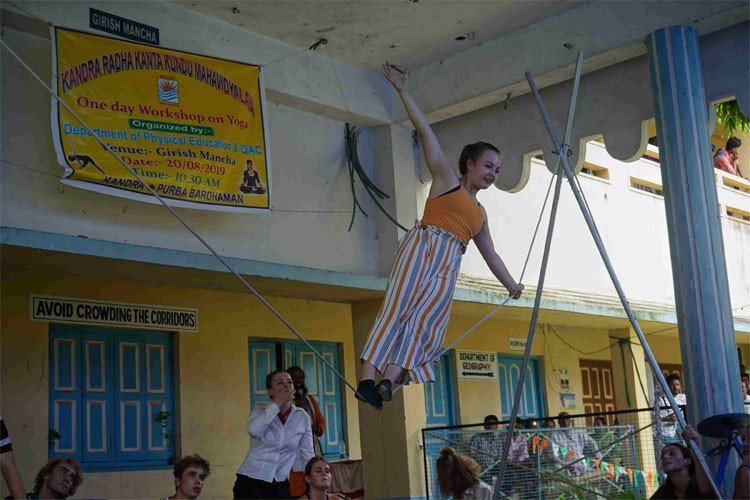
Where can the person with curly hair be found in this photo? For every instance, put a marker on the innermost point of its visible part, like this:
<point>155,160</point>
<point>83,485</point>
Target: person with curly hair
<point>458,476</point>
<point>59,479</point>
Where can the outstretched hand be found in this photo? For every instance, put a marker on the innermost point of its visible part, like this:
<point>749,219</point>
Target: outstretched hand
<point>689,433</point>
<point>516,291</point>
<point>399,83</point>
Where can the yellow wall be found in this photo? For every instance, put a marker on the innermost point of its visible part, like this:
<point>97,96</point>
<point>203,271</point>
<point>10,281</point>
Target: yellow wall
<point>212,382</point>
<point>564,347</point>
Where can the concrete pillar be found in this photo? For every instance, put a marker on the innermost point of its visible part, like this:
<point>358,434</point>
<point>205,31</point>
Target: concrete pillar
<point>707,339</point>
<point>392,460</point>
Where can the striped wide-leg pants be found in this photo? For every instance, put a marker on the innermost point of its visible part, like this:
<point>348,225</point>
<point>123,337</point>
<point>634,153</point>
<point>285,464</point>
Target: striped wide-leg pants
<point>410,327</point>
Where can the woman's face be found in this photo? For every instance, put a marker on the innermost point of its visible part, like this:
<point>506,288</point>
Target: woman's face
<point>673,460</point>
<point>320,475</point>
<point>249,166</point>
<point>483,172</point>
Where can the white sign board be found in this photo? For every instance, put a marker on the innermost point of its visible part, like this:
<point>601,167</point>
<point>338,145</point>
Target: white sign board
<point>476,365</point>
<point>517,344</point>
<point>97,312</point>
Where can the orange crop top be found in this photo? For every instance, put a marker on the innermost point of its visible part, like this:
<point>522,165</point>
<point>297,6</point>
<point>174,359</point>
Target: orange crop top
<point>456,212</point>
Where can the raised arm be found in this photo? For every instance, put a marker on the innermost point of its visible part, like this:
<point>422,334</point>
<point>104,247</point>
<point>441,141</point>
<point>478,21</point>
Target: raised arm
<point>442,172</point>
<point>487,248</point>
<point>704,484</point>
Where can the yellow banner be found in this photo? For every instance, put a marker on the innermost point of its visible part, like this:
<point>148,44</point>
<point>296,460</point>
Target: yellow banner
<point>190,126</point>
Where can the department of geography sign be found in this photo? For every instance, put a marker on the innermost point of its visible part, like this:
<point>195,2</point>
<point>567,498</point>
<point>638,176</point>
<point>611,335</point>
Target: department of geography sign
<point>191,127</point>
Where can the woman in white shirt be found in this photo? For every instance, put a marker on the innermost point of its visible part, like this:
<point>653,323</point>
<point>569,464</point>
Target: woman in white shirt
<point>280,440</point>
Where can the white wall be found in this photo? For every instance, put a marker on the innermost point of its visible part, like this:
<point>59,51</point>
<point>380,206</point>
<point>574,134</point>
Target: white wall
<point>633,228</point>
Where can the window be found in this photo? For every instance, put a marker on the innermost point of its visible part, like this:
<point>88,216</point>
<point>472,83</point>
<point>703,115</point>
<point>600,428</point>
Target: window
<point>735,184</point>
<point>646,186</point>
<point>736,213</point>
<point>111,397</point>
<point>595,171</point>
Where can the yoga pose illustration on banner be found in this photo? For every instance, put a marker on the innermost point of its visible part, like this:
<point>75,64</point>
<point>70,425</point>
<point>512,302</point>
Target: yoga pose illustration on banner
<point>82,160</point>
<point>410,327</point>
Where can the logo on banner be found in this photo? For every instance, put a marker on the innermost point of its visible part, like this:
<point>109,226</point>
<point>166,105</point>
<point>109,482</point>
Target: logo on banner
<point>168,92</point>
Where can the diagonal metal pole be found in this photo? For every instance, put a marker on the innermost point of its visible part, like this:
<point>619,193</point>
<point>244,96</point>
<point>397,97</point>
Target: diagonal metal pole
<point>562,154</point>
<point>618,287</point>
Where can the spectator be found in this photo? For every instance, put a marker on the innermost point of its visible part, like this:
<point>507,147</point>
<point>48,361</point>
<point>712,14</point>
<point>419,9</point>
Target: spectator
<point>487,447</point>
<point>575,440</point>
<point>318,480</point>
<point>604,437</point>
<point>518,454</point>
<point>669,419</point>
<point>8,464</point>
<point>458,476</point>
<point>683,480</point>
<point>60,478</point>
<point>548,423</point>
<point>303,399</point>
<point>727,158</point>
<point>742,477</point>
<point>745,396</point>
<point>280,439</point>
<point>190,474</point>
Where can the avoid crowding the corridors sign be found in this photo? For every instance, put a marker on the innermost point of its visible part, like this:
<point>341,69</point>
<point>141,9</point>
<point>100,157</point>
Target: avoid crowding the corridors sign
<point>192,127</point>
<point>121,314</point>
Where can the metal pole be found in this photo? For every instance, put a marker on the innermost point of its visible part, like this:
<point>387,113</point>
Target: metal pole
<point>562,152</point>
<point>616,282</point>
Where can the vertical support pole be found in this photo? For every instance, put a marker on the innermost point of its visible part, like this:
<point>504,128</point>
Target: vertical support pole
<point>616,282</point>
<point>562,155</point>
<point>701,287</point>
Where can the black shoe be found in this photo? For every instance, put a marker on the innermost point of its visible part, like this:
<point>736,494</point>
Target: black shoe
<point>384,389</point>
<point>366,392</point>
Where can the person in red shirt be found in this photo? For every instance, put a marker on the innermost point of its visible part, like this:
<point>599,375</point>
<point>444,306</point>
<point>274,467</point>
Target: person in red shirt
<point>727,158</point>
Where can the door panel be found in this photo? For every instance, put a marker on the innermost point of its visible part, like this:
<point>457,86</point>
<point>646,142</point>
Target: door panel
<point>598,388</point>
<point>532,401</point>
<point>439,394</point>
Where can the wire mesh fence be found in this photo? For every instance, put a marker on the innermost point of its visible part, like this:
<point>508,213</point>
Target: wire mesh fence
<point>603,455</point>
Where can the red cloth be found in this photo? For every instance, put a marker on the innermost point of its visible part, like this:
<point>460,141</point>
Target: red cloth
<point>285,415</point>
<point>723,161</point>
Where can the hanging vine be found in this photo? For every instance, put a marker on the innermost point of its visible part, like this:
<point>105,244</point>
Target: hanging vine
<point>355,169</point>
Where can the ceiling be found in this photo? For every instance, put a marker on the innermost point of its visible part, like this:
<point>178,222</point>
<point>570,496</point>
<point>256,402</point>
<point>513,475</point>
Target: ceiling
<point>411,33</point>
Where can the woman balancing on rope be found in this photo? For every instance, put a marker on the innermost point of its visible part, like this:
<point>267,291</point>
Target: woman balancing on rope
<point>410,327</point>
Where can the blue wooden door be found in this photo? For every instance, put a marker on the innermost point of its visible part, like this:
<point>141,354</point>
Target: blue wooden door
<point>262,358</point>
<point>324,385</point>
<point>111,397</point>
<point>532,400</point>
<point>439,395</point>
<point>98,414</point>
<point>65,401</point>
